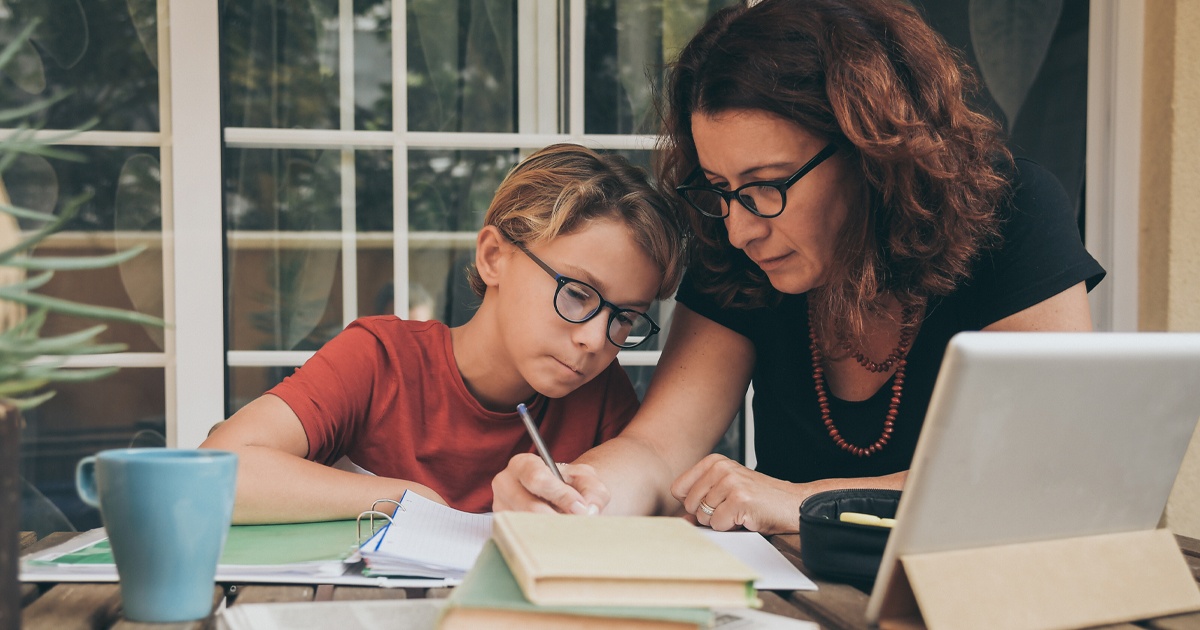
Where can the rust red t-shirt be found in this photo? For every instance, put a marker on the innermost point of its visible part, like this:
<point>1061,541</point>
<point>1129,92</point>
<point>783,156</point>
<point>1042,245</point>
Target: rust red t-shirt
<point>386,393</point>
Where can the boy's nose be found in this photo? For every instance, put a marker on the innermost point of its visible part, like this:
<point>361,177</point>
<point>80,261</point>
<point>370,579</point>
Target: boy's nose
<point>593,334</point>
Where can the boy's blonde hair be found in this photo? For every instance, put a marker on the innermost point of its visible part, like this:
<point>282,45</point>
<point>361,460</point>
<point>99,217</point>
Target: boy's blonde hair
<point>563,187</point>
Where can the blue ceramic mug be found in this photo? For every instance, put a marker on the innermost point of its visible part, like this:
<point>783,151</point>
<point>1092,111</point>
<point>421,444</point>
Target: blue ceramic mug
<point>167,512</point>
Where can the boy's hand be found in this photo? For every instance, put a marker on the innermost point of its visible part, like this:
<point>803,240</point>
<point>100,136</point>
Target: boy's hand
<point>527,485</point>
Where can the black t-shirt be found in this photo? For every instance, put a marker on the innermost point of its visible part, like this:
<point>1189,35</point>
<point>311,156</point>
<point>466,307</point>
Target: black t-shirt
<point>1040,256</point>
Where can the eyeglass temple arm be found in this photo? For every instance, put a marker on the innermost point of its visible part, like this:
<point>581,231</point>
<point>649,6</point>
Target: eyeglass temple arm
<point>521,246</point>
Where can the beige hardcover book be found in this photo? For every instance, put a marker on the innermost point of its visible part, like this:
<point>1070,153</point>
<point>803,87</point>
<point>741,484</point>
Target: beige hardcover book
<point>566,560</point>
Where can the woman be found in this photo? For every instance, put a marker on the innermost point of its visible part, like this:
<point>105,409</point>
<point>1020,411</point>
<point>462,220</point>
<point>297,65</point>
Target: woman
<point>849,214</point>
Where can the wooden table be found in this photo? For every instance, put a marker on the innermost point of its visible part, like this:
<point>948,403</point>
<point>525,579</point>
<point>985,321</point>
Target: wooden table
<point>98,606</point>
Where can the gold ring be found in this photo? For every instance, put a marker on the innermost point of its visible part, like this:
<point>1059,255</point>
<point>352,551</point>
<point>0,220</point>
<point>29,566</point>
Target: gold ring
<point>706,508</point>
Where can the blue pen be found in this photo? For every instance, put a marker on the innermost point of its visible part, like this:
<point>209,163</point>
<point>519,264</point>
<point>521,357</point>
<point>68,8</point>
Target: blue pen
<point>537,441</point>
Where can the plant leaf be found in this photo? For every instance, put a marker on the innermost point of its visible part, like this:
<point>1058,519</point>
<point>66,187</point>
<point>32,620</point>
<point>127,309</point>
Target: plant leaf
<point>75,263</point>
<point>31,108</point>
<point>26,213</point>
<point>68,307</point>
<point>20,386</point>
<point>31,283</point>
<point>25,404</point>
<point>11,49</point>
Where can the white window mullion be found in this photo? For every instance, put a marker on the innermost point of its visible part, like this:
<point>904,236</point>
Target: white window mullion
<point>349,193</point>
<point>195,149</point>
<point>166,188</point>
<point>577,32</point>
<point>1113,183</point>
<point>400,157</point>
<point>259,138</point>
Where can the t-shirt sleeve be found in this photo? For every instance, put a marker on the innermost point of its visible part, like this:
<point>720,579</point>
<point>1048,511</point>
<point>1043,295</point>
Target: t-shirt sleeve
<point>331,392</point>
<point>1041,253</point>
<point>620,403</point>
<point>736,319</point>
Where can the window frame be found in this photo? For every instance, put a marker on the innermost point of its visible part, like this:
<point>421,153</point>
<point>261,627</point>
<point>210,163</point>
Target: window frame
<point>195,358</point>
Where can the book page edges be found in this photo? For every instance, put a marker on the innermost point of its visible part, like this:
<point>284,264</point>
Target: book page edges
<point>569,591</point>
<point>473,618</point>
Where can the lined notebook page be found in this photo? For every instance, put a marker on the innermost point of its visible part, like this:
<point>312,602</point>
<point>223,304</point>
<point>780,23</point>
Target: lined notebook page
<point>428,532</point>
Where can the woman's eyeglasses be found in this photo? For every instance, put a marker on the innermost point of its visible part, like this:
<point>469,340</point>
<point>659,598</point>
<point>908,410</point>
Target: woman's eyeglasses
<point>764,199</point>
<point>577,302</point>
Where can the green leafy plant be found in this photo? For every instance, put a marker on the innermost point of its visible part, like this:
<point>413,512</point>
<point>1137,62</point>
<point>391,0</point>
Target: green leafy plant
<point>29,362</point>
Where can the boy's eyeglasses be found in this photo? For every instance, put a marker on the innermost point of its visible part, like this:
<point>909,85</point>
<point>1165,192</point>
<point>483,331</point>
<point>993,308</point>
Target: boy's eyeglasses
<point>577,302</point>
<point>764,199</point>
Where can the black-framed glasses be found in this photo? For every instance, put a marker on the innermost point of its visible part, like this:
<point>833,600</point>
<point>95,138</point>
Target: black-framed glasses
<point>765,199</point>
<point>577,302</point>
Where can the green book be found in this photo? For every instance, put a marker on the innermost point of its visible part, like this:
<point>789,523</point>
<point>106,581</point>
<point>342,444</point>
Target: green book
<point>322,543</point>
<point>490,597</point>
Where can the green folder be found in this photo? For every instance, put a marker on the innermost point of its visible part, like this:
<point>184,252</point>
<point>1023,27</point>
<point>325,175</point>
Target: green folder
<point>257,545</point>
<point>490,585</point>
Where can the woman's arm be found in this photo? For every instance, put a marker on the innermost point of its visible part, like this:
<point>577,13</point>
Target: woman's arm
<point>275,484</point>
<point>1066,312</point>
<point>696,391</point>
<point>740,497</point>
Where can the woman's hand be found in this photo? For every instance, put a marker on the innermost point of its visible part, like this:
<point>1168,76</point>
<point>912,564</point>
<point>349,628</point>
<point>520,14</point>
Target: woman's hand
<point>527,485</point>
<point>739,497</point>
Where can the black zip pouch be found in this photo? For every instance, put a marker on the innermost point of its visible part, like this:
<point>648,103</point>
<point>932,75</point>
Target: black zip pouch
<point>841,551</point>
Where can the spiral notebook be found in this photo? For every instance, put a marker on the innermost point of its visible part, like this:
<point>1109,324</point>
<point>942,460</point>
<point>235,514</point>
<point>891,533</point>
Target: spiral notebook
<point>424,538</point>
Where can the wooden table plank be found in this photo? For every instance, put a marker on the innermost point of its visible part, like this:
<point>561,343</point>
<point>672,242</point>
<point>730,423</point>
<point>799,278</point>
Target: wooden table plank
<point>49,541</point>
<point>264,593</point>
<point>1189,621</point>
<point>74,607</point>
<point>26,539</point>
<point>776,604</point>
<point>834,605</point>
<point>199,624</point>
<point>1189,546</point>
<point>357,593</point>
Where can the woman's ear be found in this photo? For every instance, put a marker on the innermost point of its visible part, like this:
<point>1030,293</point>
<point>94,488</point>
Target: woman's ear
<point>492,250</point>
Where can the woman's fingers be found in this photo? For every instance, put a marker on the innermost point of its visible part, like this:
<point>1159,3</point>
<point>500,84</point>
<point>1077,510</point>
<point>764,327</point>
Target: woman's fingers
<point>697,490</point>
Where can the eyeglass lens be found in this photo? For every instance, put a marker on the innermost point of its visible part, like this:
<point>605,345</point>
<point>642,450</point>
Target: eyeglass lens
<point>764,200</point>
<point>577,302</point>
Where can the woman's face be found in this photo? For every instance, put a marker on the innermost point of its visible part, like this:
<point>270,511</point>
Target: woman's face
<point>796,248</point>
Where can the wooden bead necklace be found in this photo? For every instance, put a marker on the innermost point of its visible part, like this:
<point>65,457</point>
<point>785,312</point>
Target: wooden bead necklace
<point>897,358</point>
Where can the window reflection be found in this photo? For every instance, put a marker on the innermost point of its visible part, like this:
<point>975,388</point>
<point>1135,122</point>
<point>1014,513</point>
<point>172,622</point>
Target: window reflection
<point>101,53</point>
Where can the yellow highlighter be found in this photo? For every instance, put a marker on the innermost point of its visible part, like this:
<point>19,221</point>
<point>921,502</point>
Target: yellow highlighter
<point>866,519</point>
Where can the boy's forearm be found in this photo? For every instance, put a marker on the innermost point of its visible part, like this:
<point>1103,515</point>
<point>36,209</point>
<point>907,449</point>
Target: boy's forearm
<point>277,487</point>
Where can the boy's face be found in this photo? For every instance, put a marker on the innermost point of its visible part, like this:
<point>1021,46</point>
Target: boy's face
<point>553,355</point>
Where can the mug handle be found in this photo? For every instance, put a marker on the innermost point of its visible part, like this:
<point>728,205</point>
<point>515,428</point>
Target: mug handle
<point>85,481</point>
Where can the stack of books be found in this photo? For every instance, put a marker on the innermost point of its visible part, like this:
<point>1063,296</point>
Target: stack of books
<point>562,571</point>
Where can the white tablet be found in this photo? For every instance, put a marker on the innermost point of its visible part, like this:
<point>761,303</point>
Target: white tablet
<point>1043,436</point>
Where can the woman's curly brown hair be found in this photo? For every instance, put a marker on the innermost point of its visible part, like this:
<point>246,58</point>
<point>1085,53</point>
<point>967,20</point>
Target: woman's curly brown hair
<point>875,79</point>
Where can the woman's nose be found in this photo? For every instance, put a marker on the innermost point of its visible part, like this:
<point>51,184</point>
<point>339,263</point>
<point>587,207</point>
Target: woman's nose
<point>744,226</point>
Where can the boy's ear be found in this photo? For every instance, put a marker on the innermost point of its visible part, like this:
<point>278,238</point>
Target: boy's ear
<point>492,251</point>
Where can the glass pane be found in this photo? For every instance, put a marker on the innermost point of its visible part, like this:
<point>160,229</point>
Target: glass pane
<point>121,208</point>
<point>248,383</point>
<point>1033,66</point>
<point>283,208</point>
<point>373,170</point>
<point>126,409</point>
<point>461,72</point>
<point>103,53</point>
<point>626,42</point>
<point>280,63</point>
<point>448,195</point>
<point>373,65</point>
